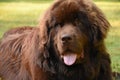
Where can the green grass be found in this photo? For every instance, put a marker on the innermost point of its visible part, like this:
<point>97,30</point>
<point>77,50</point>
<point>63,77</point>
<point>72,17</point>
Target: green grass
<point>20,14</point>
<point>16,14</point>
<point>112,12</point>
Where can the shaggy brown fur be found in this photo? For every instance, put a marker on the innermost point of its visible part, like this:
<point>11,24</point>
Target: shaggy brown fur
<point>68,45</point>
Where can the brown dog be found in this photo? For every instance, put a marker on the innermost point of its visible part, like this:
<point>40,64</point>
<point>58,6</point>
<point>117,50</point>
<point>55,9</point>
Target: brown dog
<point>69,45</point>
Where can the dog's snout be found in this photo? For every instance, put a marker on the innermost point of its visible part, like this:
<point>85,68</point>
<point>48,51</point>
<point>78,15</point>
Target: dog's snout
<point>66,38</point>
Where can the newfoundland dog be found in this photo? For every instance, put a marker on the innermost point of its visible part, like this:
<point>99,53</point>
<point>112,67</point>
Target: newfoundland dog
<point>67,45</point>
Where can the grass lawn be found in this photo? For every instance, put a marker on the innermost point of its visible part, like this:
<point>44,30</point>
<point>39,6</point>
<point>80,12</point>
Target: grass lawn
<point>16,14</point>
<point>112,12</point>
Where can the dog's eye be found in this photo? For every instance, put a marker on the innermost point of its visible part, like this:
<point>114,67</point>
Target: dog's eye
<point>59,25</point>
<point>76,16</point>
<point>56,25</point>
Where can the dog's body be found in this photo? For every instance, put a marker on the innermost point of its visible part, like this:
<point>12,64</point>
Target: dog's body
<point>68,45</point>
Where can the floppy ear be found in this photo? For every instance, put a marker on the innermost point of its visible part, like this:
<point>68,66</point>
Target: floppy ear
<point>44,34</point>
<point>46,23</point>
<point>99,23</point>
<point>43,30</point>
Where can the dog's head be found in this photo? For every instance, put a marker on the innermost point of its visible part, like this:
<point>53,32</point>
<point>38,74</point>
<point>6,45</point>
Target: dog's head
<point>72,25</point>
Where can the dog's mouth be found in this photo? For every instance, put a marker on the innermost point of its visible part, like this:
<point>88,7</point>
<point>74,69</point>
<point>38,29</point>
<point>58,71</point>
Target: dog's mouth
<point>70,58</point>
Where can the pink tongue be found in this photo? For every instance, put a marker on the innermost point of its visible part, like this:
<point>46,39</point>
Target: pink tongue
<point>69,59</point>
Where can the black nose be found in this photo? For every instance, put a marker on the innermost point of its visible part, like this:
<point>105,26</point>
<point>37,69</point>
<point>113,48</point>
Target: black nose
<point>66,38</point>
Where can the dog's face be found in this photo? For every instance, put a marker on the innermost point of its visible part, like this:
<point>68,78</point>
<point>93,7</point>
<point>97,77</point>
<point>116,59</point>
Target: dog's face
<point>76,24</point>
<point>70,44</point>
<point>69,37</point>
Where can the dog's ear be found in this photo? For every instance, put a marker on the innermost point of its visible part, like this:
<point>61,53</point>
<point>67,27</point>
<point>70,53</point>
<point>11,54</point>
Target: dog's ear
<point>47,22</point>
<point>44,34</point>
<point>98,22</point>
<point>43,29</point>
<point>95,21</point>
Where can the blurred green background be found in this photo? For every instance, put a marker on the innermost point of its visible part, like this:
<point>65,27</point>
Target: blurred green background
<point>16,13</point>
